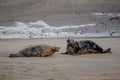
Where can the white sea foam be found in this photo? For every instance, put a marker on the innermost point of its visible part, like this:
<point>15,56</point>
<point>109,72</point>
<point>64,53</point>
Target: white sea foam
<point>102,14</point>
<point>23,30</point>
<point>21,26</point>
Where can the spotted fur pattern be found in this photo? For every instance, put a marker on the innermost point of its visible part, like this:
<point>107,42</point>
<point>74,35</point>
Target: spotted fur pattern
<point>83,47</point>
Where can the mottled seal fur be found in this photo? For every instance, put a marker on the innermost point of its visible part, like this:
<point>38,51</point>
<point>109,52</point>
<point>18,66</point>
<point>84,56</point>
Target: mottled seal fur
<point>36,51</point>
<point>84,47</point>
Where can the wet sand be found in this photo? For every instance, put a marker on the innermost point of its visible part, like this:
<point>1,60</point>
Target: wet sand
<point>59,67</point>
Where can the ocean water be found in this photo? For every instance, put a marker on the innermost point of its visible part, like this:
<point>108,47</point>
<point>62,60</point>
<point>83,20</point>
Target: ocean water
<point>40,29</point>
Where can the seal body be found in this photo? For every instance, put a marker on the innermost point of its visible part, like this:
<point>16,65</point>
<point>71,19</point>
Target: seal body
<point>84,47</point>
<point>36,51</point>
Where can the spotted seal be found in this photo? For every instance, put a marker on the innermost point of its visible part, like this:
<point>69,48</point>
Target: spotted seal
<point>84,47</point>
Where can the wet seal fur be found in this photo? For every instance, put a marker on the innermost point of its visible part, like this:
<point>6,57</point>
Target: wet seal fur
<point>84,47</point>
<point>36,51</point>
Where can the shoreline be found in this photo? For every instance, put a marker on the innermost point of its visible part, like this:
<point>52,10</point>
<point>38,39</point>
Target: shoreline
<point>57,38</point>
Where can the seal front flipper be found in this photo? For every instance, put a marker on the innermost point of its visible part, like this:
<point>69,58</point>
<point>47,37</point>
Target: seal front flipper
<point>64,53</point>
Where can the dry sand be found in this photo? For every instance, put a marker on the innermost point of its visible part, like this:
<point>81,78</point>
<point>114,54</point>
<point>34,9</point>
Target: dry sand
<point>59,67</point>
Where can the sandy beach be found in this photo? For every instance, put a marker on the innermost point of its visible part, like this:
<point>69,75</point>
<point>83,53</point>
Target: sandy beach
<point>58,66</point>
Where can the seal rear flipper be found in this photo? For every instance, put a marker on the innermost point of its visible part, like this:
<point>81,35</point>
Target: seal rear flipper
<point>14,55</point>
<point>107,50</point>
